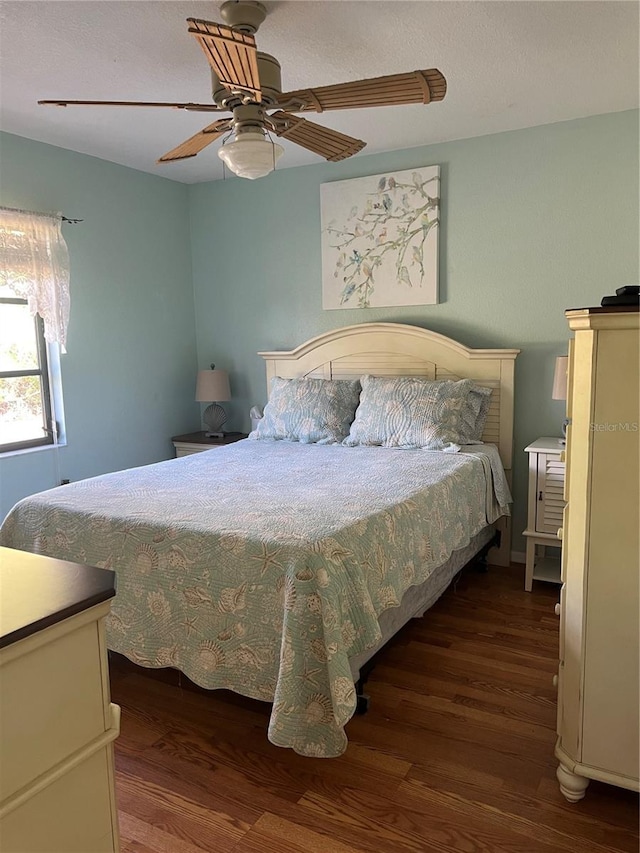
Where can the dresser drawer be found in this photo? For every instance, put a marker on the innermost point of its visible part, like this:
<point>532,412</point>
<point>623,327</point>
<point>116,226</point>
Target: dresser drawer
<point>72,815</point>
<point>560,610</point>
<point>197,442</point>
<point>564,556</point>
<point>189,449</point>
<point>52,701</point>
<point>567,465</point>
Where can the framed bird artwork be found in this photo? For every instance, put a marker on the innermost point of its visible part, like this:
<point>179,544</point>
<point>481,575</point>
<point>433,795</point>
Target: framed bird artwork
<point>380,240</point>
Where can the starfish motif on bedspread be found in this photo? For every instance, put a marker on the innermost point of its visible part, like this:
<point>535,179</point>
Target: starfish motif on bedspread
<point>375,562</point>
<point>309,675</point>
<point>268,559</point>
<point>189,624</point>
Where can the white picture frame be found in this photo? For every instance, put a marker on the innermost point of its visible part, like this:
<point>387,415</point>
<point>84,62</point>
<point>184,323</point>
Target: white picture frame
<point>380,239</point>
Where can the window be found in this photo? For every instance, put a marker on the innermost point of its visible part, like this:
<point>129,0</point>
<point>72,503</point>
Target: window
<point>25,395</point>
<point>34,312</point>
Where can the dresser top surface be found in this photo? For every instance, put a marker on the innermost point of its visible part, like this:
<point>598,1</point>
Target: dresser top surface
<point>604,309</point>
<point>605,317</point>
<point>37,592</point>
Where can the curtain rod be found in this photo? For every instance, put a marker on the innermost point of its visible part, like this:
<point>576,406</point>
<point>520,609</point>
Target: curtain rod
<point>37,213</point>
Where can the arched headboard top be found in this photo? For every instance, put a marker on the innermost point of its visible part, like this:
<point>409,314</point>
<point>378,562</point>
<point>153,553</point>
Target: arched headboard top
<point>396,349</point>
<point>400,331</point>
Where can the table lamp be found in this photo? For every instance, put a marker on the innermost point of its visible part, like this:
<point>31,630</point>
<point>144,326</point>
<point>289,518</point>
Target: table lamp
<point>213,385</point>
<point>559,391</point>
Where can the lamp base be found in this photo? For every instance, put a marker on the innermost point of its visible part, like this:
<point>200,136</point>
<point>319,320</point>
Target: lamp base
<point>214,418</point>
<point>565,423</point>
<point>214,435</point>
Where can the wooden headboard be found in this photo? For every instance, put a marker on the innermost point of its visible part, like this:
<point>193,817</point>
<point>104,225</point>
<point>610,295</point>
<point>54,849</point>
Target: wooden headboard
<point>394,349</point>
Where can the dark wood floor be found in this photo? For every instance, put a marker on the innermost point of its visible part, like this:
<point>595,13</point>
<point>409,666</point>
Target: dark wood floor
<point>455,753</point>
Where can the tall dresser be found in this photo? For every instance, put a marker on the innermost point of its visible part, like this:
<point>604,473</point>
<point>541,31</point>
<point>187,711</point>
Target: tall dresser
<point>57,723</point>
<point>598,700</point>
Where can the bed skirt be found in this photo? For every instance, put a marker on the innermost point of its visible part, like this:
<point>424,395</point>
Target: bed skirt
<point>418,599</point>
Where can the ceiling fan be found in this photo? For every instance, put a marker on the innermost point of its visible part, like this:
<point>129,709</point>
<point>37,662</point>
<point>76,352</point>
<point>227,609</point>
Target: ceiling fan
<point>246,83</point>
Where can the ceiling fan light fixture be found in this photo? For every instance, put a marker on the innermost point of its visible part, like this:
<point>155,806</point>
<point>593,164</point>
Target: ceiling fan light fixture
<point>251,155</point>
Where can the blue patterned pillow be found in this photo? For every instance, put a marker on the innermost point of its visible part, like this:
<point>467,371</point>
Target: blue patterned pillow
<point>312,411</point>
<point>479,399</point>
<point>407,411</point>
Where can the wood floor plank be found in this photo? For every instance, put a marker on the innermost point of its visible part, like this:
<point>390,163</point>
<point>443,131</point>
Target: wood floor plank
<point>467,711</point>
<point>541,702</point>
<point>533,832</point>
<point>501,646</point>
<point>579,826</point>
<point>479,663</point>
<point>277,835</point>
<point>138,835</point>
<point>455,755</point>
<point>287,777</point>
<point>135,847</point>
<point>189,820</point>
<point>404,738</point>
<point>215,741</point>
<point>609,805</point>
<point>429,724</point>
<point>407,826</point>
<point>534,634</point>
<point>139,730</point>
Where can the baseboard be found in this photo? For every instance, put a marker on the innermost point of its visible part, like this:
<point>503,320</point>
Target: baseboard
<point>518,557</point>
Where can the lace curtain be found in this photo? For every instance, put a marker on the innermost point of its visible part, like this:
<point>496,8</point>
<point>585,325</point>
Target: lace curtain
<point>34,265</point>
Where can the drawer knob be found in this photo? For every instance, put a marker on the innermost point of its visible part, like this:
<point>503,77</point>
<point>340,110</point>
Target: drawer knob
<point>556,609</point>
<point>555,680</point>
<point>559,533</point>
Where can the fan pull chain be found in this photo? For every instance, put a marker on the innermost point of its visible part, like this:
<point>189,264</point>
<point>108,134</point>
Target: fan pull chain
<point>273,148</point>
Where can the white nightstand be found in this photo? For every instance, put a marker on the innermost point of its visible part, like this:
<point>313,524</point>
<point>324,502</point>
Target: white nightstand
<point>196,442</point>
<point>546,503</point>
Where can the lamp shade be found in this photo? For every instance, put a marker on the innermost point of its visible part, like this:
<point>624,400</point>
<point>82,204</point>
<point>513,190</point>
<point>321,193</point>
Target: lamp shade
<point>212,386</point>
<point>251,156</point>
<point>560,378</point>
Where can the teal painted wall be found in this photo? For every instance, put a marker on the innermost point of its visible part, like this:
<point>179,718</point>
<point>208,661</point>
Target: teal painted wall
<point>533,222</point>
<point>129,373</point>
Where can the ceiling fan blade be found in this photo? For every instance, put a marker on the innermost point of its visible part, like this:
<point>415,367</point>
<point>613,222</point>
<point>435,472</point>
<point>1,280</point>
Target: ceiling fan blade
<point>194,145</point>
<point>328,143</point>
<point>199,108</point>
<point>414,87</point>
<point>231,54</point>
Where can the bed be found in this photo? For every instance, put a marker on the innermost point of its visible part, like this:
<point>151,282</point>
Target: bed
<point>276,569</point>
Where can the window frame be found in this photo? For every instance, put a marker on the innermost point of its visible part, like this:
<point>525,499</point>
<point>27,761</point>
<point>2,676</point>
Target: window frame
<point>45,384</point>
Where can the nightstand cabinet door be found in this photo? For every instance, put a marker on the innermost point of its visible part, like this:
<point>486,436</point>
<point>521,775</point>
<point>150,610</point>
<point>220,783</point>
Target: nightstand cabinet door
<point>550,490</point>
<point>544,516</point>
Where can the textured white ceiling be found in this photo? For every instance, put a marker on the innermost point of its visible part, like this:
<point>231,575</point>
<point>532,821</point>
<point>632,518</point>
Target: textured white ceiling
<point>508,65</point>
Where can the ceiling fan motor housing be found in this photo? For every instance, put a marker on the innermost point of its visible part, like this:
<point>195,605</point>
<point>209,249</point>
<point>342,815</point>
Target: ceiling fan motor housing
<point>243,15</point>
<point>270,84</point>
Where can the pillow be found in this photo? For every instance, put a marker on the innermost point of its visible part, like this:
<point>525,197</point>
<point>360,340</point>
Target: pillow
<point>408,411</point>
<point>312,411</point>
<point>480,399</point>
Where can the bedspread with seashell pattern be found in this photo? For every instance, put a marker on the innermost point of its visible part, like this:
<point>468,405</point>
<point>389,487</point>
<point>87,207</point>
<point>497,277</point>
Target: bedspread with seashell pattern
<point>262,566</point>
